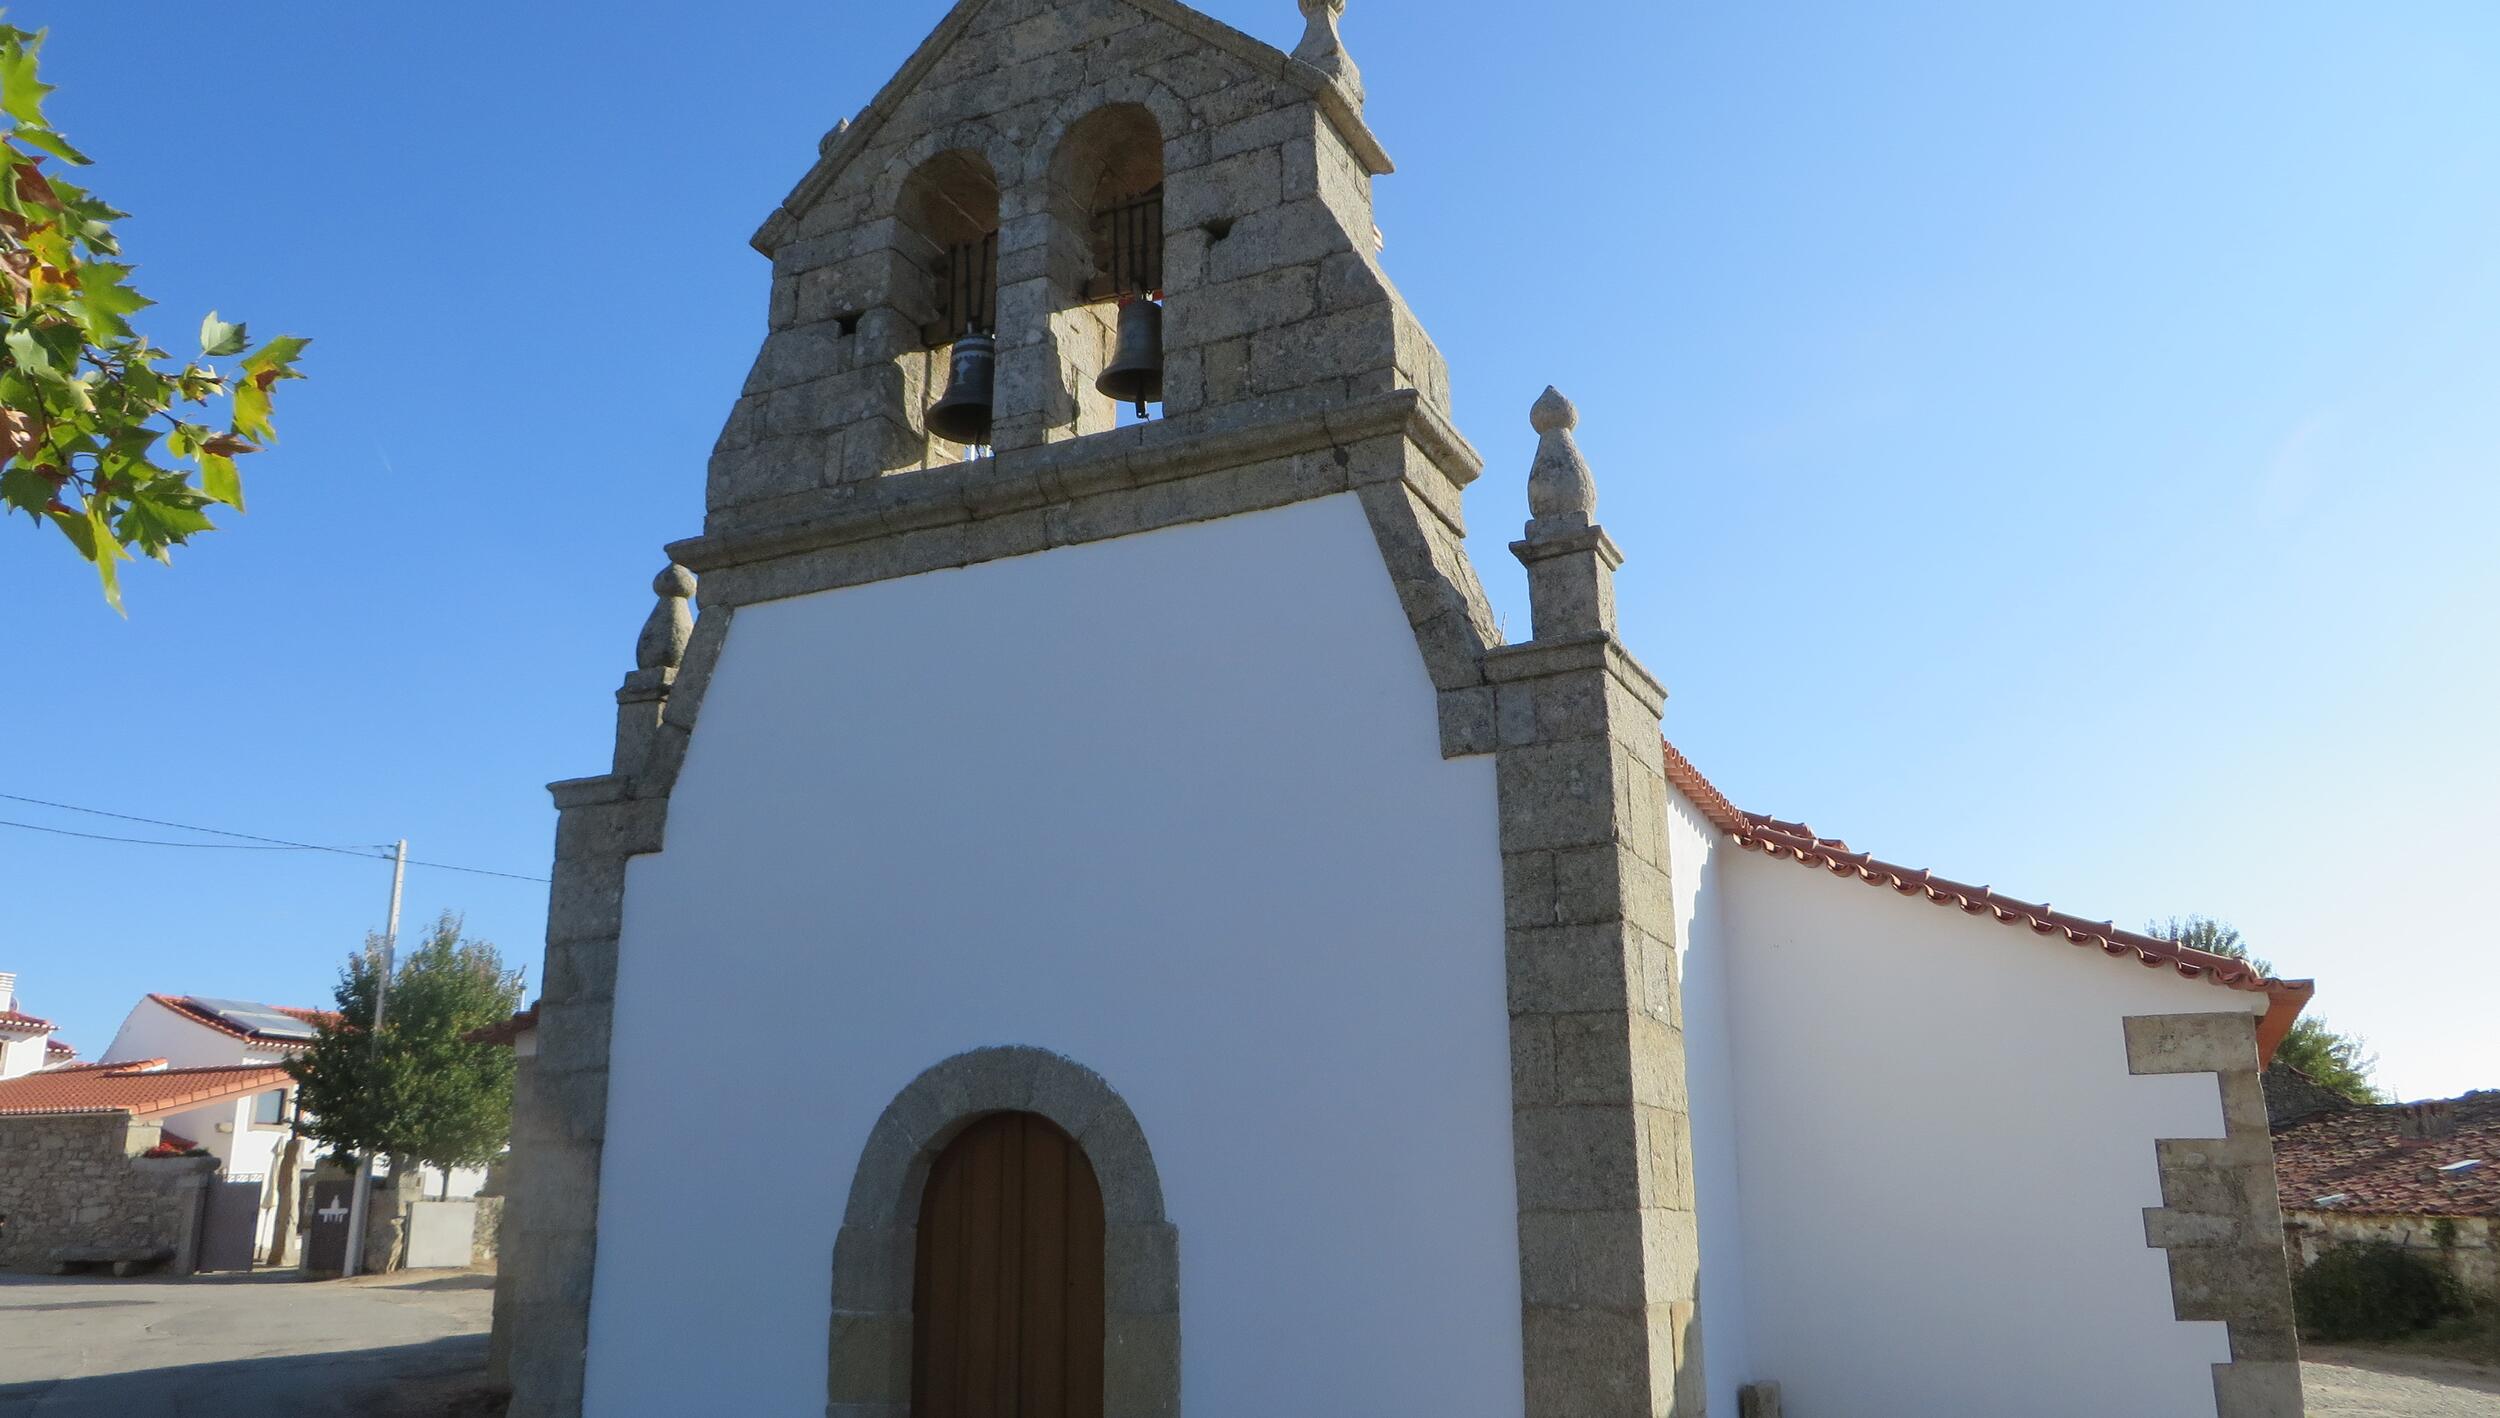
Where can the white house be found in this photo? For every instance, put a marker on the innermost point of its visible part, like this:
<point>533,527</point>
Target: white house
<point>1184,959</point>
<point>189,1031</point>
<point>26,1042</point>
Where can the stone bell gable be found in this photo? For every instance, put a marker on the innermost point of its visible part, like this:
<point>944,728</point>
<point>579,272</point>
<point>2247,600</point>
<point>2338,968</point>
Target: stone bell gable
<point>979,183</point>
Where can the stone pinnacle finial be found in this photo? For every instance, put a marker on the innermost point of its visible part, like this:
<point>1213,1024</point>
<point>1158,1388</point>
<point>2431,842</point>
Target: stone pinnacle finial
<point>1561,492</point>
<point>671,626</point>
<point>1324,49</point>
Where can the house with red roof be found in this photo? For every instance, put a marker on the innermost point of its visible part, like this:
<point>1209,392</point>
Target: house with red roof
<point>198,1030</point>
<point>2423,1176</point>
<point>78,1148</point>
<point>26,1042</point>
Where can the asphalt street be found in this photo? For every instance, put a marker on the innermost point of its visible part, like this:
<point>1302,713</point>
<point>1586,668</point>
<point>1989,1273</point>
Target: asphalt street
<point>224,1347</point>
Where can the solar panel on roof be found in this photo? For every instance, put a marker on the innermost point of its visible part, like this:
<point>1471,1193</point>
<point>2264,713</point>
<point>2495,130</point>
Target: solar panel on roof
<point>256,1018</point>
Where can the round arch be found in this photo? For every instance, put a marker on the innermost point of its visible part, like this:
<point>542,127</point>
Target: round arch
<point>870,1354</point>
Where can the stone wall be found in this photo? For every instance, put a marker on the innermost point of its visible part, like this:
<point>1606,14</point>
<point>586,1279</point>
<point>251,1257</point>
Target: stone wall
<point>77,1182</point>
<point>489,1242</point>
<point>2468,1248</point>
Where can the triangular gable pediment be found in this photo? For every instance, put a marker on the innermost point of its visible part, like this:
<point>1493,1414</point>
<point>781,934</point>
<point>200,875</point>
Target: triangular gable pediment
<point>846,142</point>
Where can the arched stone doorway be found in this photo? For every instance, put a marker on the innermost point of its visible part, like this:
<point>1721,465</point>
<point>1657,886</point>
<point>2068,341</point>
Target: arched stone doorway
<point>1007,1289</point>
<point>875,1353</point>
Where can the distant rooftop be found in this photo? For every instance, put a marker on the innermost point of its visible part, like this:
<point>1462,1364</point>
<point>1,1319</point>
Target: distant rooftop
<point>264,1023</point>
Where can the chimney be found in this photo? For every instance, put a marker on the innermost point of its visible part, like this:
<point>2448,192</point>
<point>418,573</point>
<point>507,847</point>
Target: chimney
<point>8,991</point>
<point>2422,1121</point>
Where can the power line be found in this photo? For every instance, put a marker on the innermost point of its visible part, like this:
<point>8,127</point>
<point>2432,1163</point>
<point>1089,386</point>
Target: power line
<point>181,827</point>
<point>249,842</point>
<point>150,841</point>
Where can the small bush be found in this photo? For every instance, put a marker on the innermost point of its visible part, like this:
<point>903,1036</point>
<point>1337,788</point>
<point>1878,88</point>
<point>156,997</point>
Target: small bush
<point>2374,1290</point>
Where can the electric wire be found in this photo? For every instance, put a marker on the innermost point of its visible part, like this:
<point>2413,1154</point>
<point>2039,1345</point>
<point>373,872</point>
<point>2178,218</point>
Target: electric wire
<point>249,842</point>
<point>149,841</point>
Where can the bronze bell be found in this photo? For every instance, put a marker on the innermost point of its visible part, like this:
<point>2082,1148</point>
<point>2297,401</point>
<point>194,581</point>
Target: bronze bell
<point>963,416</point>
<point>1136,372</point>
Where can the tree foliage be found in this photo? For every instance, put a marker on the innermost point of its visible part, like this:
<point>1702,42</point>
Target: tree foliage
<point>2342,1062</point>
<point>426,1094</point>
<point>2374,1290</point>
<point>104,436</point>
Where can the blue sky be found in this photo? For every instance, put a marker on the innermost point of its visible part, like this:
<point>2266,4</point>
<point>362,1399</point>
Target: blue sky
<point>2054,444</point>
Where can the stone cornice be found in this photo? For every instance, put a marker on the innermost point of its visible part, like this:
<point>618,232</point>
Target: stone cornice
<point>1537,659</point>
<point>1140,455</point>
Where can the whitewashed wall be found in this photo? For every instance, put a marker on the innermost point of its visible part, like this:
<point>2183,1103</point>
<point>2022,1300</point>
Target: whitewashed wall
<point>1709,1045</point>
<point>1172,805</point>
<point>154,1032</point>
<point>21,1056</point>
<point>1943,1160</point>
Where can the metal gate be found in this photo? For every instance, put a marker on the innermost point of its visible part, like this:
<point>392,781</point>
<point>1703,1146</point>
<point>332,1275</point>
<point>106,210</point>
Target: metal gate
<point>325,1247</point>
<point>231,1229</point>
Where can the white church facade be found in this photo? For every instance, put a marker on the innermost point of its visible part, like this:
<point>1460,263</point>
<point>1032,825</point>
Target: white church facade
<point>1184,960</point>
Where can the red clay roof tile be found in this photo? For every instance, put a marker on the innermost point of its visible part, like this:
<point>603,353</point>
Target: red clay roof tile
<point>1796,842</point>
<point>506,1032</point>
<point>142,1089</point>
<point>12,1022</point>
<point>2385,1159</point>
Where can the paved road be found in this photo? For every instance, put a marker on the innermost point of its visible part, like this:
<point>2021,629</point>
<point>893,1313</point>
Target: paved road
<point>224,1347</point>
<point>2342,1383</point>
<point>270,1345</point>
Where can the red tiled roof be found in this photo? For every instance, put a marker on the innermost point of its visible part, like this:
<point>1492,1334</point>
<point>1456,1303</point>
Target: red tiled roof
<point>2385,1159</point>
<point>55,1049</point>
<point>506,1032</point>
<point>142,1089</point>
<point>182,1005</point>
<point>12,1022</point>
<point>1796,842</point>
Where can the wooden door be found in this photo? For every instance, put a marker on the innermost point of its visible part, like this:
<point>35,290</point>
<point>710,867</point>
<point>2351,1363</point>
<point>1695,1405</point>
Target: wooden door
<point>1007,1297</point>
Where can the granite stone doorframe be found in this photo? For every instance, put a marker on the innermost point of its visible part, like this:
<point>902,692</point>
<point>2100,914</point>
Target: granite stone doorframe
<point>870,1354</point>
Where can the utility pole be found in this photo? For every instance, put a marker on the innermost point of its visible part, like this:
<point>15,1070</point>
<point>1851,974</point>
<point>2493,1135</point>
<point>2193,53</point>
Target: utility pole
<point>363,1194</point>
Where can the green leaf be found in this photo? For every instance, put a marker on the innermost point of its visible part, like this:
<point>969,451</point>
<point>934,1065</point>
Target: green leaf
<point>27,355</point>
<point>103,300</point>
<point>220,337</point>
<point>279,354</point>
<point>220,479</point>
<point>251,412</point>
<point>21,93</point>
<point>155,524</point>
<point>50,142</point>
<point>25,489</point>
<point>81,533</point>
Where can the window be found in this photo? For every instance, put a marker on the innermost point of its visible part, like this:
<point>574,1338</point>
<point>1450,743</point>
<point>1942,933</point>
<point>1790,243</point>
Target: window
<point>269,1109</point>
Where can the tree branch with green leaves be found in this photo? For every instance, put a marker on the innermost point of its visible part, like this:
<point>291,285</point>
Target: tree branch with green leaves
<point>2342,1062</point>
<point>112,441</point>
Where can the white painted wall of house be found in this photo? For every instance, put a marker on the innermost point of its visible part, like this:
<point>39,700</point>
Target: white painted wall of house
<point>153,1031</point>
<point>1943,1160</point>
<point>21,1056</point>
<point>1172,805</point>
